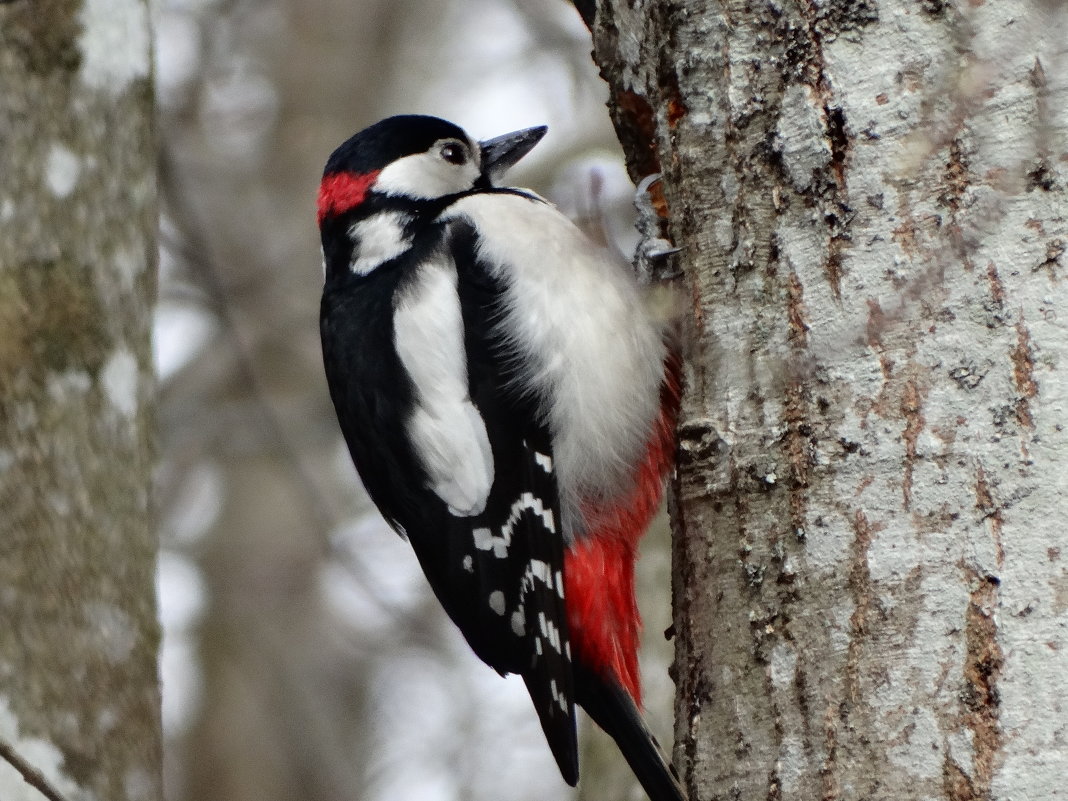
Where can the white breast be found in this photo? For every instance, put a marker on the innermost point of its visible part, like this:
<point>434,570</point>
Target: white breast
<point>577,319</point>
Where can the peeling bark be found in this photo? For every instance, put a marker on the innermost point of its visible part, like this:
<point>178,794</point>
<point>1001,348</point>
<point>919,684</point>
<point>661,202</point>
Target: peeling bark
<point>79,697</point>
<point>870,198</point>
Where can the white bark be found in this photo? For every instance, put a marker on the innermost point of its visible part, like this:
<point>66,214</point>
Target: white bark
<point>870,197</point>
<point>79,697</point>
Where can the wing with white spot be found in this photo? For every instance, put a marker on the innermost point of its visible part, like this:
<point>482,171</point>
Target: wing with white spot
<point>541,606</point>
<point>517,544</point>
<point>446,429</point>
<point>458,457</point>
<point>517,557</point>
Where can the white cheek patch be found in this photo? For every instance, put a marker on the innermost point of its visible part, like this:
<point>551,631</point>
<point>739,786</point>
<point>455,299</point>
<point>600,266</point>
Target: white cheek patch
<point>425,176</point>
<point>446,429</point>
<point>377,239</point>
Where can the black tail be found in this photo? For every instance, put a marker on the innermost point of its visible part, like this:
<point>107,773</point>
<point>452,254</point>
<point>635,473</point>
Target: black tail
<point>612,708</point>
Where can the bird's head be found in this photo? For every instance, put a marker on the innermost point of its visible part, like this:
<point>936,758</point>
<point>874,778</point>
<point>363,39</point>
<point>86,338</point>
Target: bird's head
<point>414,158</point>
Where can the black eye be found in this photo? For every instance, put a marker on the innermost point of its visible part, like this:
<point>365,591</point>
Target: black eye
<point>454,153</point>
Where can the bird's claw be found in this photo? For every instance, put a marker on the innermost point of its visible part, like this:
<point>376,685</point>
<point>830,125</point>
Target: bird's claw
<point>653,250</point>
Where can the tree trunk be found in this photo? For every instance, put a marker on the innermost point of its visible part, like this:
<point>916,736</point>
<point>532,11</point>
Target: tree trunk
<point>870,549</point>
<point>79,697</point>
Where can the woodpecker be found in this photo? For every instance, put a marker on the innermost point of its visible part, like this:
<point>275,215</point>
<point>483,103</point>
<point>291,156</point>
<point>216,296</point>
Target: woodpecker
<point>508,394</point>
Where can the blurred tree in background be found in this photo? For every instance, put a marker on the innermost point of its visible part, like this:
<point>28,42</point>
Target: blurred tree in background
<point>79,696</point>
<point>304,656</point>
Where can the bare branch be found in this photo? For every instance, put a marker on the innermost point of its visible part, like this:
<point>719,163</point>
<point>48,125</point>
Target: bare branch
<point>30,774</point>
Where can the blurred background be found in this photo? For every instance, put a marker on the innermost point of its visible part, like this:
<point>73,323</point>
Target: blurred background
<point>304,657</point>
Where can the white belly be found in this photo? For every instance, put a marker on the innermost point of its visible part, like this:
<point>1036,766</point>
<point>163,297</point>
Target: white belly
<point>594,350</point>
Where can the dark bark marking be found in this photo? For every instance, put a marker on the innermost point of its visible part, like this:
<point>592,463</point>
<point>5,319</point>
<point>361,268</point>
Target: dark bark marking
<point>635,123</point>
<point>832,267</point>
<point>795,415</point>
<point>912,411</point>
<point>970,375</point>
<point>1054,250</point>
<point>984,502</point>
<point>997,288</point>
<point>796,313</point>
<point>956,181</point>
<point>956,784</point>
<point>1023,365</point>
<point>1042,175</point>
<point>980,697</point>
<point>801,696</point>
<point>839,16</point>
<point>804,58</point>
<point>875,326</point>
<point>933,8</point>
<point>863,599</point>
<point>955,177</point>
<point>700,442</point>
<point>672,96</point>
<point>831,789</point>
<point>840,142</point>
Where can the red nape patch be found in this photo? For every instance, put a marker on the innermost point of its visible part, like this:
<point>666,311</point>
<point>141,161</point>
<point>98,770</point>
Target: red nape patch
<point>341,191</point>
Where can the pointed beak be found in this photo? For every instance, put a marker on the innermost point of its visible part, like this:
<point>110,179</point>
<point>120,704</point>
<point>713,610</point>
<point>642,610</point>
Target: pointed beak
<point>501,152</point>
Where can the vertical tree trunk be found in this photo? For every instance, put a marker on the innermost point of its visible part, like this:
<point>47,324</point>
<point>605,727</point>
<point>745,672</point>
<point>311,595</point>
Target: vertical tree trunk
<point>870,579</point>
<point>79,699</point>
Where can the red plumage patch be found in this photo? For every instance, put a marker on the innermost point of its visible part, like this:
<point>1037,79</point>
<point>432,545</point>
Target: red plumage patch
<point>341,191</point>
<point>602,613</point>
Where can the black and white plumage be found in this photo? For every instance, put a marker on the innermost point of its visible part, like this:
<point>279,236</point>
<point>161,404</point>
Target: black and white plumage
<point>496,378</point>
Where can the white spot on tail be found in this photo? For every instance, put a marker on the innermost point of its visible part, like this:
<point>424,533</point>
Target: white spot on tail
<point>558,696</point>
<point>486,540</point>
<point>540,570</point>
<point>550,632</point>
<point>528,501</point>
<point>483,538</point>
<point>496,601</point>
<point>469,564</point>
<point>519,625</point>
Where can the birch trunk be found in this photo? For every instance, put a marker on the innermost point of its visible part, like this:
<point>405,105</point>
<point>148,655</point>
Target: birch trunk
<point>79,699</point>
<point>871,546</point>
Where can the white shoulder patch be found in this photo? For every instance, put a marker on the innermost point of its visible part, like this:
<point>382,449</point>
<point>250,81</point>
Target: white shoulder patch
<point>377,239</point>
<point>446,428</point>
